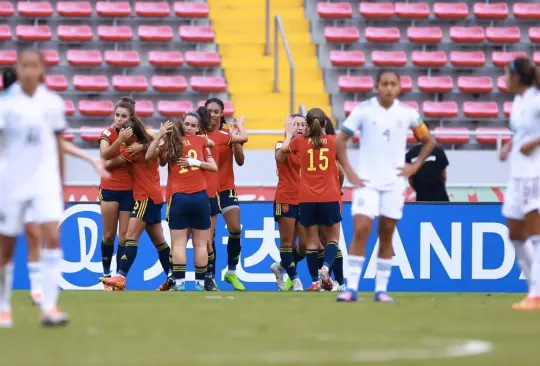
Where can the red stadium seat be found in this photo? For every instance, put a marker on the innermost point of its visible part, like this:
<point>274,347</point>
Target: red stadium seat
<point>451,10</point>
<point>467,34</point>
<point>440,109</point>
<point>35,9</point>
<point>405,82</point>
<point>83,58</point>
<point>6,9</point>
<point>208,83</point>
<point>144,108</point>
<point>203,59</point>
<point>5,32</point>
<point>503,34</point>
<point>169,83</point>
<point>122,58</point>
<point>376,10</point>
<point>130,83</point>
<point>468,59</point>
<point>355,84</point>
<point>120,33</point>
<point>507,108</point>
<point>341,35</point>
<point>90,82</point>
<point>76,33</point>
<point>429,58</point>
<point>389,58</point>
<point>158,9</point>
<point>91,134</point>
<point>119,9</point>
<point>475,84</point>
<point>481,109</point>
<point>96,107</point>
<point>228,111</point>
<point>191,10</point>
<point>79,9</point>
<point>68,135</point>
<point>501,84</point>
<point>534,34</point>
<point>526,11</point>
<point>503,58</point>
<point>56,82</point>
<point>412,10</point>
<point>424,34</point>
<point>386,35</point>
<point>334,10</point>
<point>492,138</point>
<point>411,104</point>
<point>165,58</point>
<point>8,57</point>
<point>160,33</point>
<point>196,34</point>
<point>536,58</point>
<point>349,106</point>
<point>52,58</point>
<point>452,136</point>
<point>69,107</point>
<point>31,33</point>
<point>347,58</point>
<point>435,84</point>
<point>491,11</point>
<point>173,108</point>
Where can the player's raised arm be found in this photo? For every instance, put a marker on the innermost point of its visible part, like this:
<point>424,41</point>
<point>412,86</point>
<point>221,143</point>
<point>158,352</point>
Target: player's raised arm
<point>153,148</point>
<point>290,130</point>
<point>421,133</point>
<point>347,130</point>
<point>238,132</point>
<point>98,164</point>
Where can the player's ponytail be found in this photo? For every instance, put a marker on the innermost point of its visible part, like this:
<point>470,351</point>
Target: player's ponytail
<point>316,120</point>
<point>205,120</point>
<point>126,103</point>
<point>139,130</point>
<point>175,145</point>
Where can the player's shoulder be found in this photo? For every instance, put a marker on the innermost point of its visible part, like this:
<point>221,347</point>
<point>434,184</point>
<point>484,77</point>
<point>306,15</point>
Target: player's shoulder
<point>51,97</point>
<point>366,104</point>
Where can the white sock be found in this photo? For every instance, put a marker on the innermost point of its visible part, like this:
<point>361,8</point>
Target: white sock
<point>231,271</point>
<point>534,289</point>
<point>6,284</point>
<point>384,269</point>
<point>36,277</point>
<point>355,270</point>
<point>51,260</point>
<point>525,256</point>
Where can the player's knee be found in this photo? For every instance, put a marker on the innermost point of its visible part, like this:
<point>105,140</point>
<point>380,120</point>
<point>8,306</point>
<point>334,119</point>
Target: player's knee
<point>386,227</point>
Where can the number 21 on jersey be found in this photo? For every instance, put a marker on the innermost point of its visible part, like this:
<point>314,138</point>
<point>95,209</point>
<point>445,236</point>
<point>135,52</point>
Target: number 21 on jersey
<point>323,159</point>
<point>190,154</point>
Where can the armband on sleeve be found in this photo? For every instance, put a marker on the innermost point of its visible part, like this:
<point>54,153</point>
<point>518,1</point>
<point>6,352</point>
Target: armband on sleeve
<point>421,132</point>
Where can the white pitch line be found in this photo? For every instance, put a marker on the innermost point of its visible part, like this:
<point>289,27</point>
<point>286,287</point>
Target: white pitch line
<point>218,297</point>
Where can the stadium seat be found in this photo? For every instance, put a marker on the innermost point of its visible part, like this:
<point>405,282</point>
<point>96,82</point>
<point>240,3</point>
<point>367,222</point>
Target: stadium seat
<point>130,83</point>
<point>389,58</point>
<point>68,135</point>
<point>122,58</point>
<point>78,9</point>
<point>435,84</point>
<point>467,59</point>
<point>144,108</point>
<point>75,33</point>
<point>208,83</point>
<point>196,34</point>
<point>349,106</point>
<point>451,10</point>
<point>159,33</point>
<point>405,82</point>
<point>503,58</point>
<point>373,10</point>
<point>467,34</point>
<point>96,107</point>
<point>379,34</point>
<point>503,34</point>
<point>165,58</point>
<point>203,59</point>
<point>481,109</point>
<point>412,10</point>
<point>491,138</point>
<point>228,111</point>
<point>84,58</point>
<point>526,11</point>
<point>120,33</point>
<point>501,84</point>
<point>440,109</point>
<point>8,57</point>
<point>33,33</point>
<point>424,34</point>
<point>158,9</point>
<point>536,58</point>
<point>69,107</point>
<point>429,58</point>
<point>91,134</point>
<point>35,9</point>
<point>411,104</point>
<point>491,11</point>
<point>52,58</point>
<point>5,32</point>
<point>191,10</point>
<point>347,58</point>
<point>91,82</point>
<point>334,10</point>
<point>169,83</point>
<point>56,82</point>
<point>507,108</point>
<point>119,9</point>
<point>534,34</point>
<point>341,35</point>
<point>453,136</point>
<point>174,108</point>
<point>6,9</point>
<point>475,84</point>
<point>355,84</point>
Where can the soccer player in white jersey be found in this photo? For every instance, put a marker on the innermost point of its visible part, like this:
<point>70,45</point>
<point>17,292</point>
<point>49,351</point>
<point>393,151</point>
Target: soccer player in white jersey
<point>31,162</point>
<point>522,197</point>
<point>380,176</point>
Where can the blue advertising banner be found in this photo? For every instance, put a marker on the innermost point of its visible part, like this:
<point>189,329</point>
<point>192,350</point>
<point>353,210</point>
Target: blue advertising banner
<point>437,247</point>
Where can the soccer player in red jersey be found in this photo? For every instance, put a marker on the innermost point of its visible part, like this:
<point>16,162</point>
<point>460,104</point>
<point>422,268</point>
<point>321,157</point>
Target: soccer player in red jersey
<point>319,192</point>
<point>227,197</point>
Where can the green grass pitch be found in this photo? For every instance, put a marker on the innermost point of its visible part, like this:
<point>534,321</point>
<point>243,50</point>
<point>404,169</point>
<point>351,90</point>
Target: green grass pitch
<point>253,328</point>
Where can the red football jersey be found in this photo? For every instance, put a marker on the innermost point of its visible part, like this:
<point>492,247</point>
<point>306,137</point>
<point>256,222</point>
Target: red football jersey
<point>225,166</point>
<point>318,169</point>
<point>288,178</point>
<point>191,179</point>
<point>145,177</point>
<point>222,139</point>
<point>121,178</point>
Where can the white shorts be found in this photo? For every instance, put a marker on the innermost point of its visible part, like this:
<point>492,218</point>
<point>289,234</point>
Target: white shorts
<point>373,202</point>
<point>521,197</point>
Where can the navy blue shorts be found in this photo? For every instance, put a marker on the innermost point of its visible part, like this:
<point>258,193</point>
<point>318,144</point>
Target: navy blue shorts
<point>214,206</point>
<point>227,199</point>
<point>124,198</point>
<point>189,211</point>
<point>285,210</point>
<point>320,213</point>
<point>147,211</point>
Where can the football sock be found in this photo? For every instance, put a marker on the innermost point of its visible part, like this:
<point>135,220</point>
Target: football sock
<point>200,272</point>
<point>384,269</point>
<point>525,255</point>
<point>535,267</point>
<point>287,262</point>
<point>355,270</point>
<point>330,253</point>
<point>51,259</point>
<point>233,251</point>
<point>119,254</point>
<point>36,277</point>
<point>312,259</point>
<point>211,263</point>
<point>338,268</point>
<point>6,281</point>
<point>179,273</point>
<point>215,255</point>
<point>320,255</point>
<point>107,250</point>
<point>128,257</point>
<point>164,252</point>
<point>297,255</point>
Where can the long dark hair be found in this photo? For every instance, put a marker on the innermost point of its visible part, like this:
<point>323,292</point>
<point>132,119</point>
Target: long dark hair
<point>528,73</point>
<point>127,103</point>
<point>175,143</point>
<point>222,106</point>
<point>203,116</point>
<point>316,121</point>
<point>139,129</point>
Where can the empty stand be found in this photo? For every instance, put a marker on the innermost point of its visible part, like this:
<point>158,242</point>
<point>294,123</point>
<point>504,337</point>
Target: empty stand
<point>95,108</point>
<point>347,58</point>
<point>412,10</point>
<point>341,34</point>
<point>389,58</point>
<point>120,9</point>
<point>481,109</point>
<point>490,10</point>
<point>203,59</point>
<point>33,33</point>
<point>467,34</point>
<point>169,83</point>
<point>56,82</point>
<point>170,108</point>
<point>35,9</point>
<point>76,9</point>
<point>454,11</point>
<point>160,9</point>
<point>166,58</point>
<point>440,109</point>
<point>445,135</point>
<point>526,11</point>
<point>6,9</point>
<point>429,58</point>
<point>334,10</point>
<point>376,10</point>
<point>121,33</point>
<point>130,83</point>
<point>435,84</point>
<point>158,33</point>
<point>208,84</point>
<point>191,10</point>
<point>122,58</point>
<point>84,57</point>
<point>467,58</point>
<point>75,33</point>
<point>424,34</point>
<point>8,57</point>
<point>475,84</point>
<point>196,34</point>
<point>5,32</point>
<point>144,108</point>
<point>380,35</point>
<point>95,83</point>
<point>503,34</point>
<point>488,135</point>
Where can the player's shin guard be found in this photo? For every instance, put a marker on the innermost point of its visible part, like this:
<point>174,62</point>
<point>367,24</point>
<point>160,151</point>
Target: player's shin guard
<point>179,273</point>
<point>36,277</point>
<point>384,270</point>
<point>107,250</point>
<point>287,262</point>
<point>338,268</point>
<point>51,259</point>
<point>211,263</point>
<point>355,270</point>
<point>534,290</point>
<point>330,253</point>
<point>525,256</point>
<point>128,257</point>
<point>164,253</point>
<point>320,256</point>
<point>233,251</point>
<point>6,284</point>
<point>312,259</point>
<point>297,256</point>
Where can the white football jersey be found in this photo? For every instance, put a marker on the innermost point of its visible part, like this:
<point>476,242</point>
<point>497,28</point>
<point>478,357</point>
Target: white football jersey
<point>28,146</point>
<point>383,140</point>
<point>525,122</point>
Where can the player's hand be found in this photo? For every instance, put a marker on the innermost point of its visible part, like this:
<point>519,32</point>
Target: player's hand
<point>183,163</point>
<point>125,134</point>
<point>135,148</point>
<point>239,121</point>
<point>290,127</point>
<point>528,148</point>
<point>99,166</point>
<point>165,128</point>
<point>505,151</point>
<point>355,180</point>
<point>408,170</point>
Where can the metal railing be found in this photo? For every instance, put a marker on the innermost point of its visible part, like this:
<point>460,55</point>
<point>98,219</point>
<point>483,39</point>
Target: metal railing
<point>280,30</point>
<point>268,25</point>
